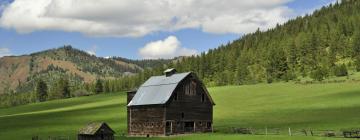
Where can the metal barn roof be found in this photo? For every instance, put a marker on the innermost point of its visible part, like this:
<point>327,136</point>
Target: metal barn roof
<point>157,90</point>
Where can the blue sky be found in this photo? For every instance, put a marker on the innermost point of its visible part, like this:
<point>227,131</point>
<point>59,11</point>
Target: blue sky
<point>142,38</point>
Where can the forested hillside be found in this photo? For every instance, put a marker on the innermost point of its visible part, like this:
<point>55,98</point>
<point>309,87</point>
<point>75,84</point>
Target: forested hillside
<point>64,72</point>
<point>322,45</point>
<point>20,72</point>
<point>146,63</point>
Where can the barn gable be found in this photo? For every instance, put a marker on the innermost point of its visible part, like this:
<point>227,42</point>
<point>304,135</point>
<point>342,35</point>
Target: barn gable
<point>170,104</point>
<point>95,128</point>
<point>158,90</point>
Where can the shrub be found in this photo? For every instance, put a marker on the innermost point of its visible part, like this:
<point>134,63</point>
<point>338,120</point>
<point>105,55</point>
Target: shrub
<point>81,92</point>
<point>319,74</point>
<point>340,71</point>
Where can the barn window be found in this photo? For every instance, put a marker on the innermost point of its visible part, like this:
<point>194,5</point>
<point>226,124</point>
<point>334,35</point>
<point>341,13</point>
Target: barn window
<point>193,88</point>
<point>183,115</point>
<point>208,125</point>
<point>203,97</point>
<point>190,88</point>
<point>187,89</point>
<point>168,124</point>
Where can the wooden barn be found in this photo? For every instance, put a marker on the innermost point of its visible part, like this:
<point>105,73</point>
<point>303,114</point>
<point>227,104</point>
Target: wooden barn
<point>170,104</point>
<point>96,131</point>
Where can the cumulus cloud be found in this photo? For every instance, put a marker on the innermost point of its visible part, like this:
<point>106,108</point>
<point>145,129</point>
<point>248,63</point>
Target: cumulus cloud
<point>5,52</point>
<point>135,18</point>
<point>167,48</point>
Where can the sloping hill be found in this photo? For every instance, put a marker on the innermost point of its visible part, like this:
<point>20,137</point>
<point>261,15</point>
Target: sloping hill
<point>13,70</point>
<point>19,72</point>
<point>316,107</point>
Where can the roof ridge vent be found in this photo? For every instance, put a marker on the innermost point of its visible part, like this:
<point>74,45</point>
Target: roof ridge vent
<point>169,72</point>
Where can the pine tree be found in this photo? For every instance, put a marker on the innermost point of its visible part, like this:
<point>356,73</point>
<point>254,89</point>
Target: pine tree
<point>107,87</point>
<point>356,51</point>
<point>98,86</point>
<point>277,66</point>
<point>41,90</point>
<point>65,87</point>
<point>319,73</point>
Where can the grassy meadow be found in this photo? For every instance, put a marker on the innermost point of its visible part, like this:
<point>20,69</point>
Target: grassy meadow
<point>281,105</point>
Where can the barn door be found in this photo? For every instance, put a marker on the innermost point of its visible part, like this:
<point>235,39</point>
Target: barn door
<point>189,126</point>
<point>168,128</point>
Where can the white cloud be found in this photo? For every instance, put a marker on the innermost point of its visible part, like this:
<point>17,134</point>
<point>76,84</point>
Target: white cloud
<point>92,50</point>
<point>136,18</point>
<point>167,48</point>
<point>5,52</point>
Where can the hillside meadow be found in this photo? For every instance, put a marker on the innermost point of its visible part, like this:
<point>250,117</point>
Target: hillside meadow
<point>281,105</point>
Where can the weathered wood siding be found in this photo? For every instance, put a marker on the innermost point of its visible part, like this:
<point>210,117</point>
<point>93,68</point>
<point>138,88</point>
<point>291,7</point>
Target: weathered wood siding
<point>189,103</point>
<point>146,120</point>
<point>130,95</point>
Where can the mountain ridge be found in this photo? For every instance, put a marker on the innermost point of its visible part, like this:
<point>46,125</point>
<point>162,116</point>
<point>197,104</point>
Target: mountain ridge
<point>19,73</point>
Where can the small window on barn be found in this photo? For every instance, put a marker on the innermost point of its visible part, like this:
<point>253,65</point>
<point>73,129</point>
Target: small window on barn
<point>193,88</point>
<point>183,115</point>
<point>190,88</point>
<point>187,89</point>
<point>208,125</point>
<point>203,97</point>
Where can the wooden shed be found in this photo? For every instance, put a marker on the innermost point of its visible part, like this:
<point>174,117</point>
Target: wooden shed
<point>170,104</point>
<point>96,131</point>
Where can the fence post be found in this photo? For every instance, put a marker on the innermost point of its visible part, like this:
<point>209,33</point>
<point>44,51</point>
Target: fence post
<point>266,131</point>
<point>289,131</point>
<point>304,130</point>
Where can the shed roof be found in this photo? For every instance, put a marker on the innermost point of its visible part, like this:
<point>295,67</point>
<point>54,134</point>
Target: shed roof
<point>169,70</point>
<point>157,89</point>
<point>93,128</point>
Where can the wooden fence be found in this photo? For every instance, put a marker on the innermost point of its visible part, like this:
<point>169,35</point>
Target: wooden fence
<point>51,138</point>
<point>354,133</point>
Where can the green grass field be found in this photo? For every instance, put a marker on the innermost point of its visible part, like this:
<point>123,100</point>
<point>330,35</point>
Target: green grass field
<point>282,105</point>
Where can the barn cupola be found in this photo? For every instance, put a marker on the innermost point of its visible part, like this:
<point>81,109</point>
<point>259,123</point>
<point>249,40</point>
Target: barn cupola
<point>169,72</point>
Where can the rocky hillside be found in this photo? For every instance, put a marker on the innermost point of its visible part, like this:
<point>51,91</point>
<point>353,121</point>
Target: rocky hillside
<point>18,73</point>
